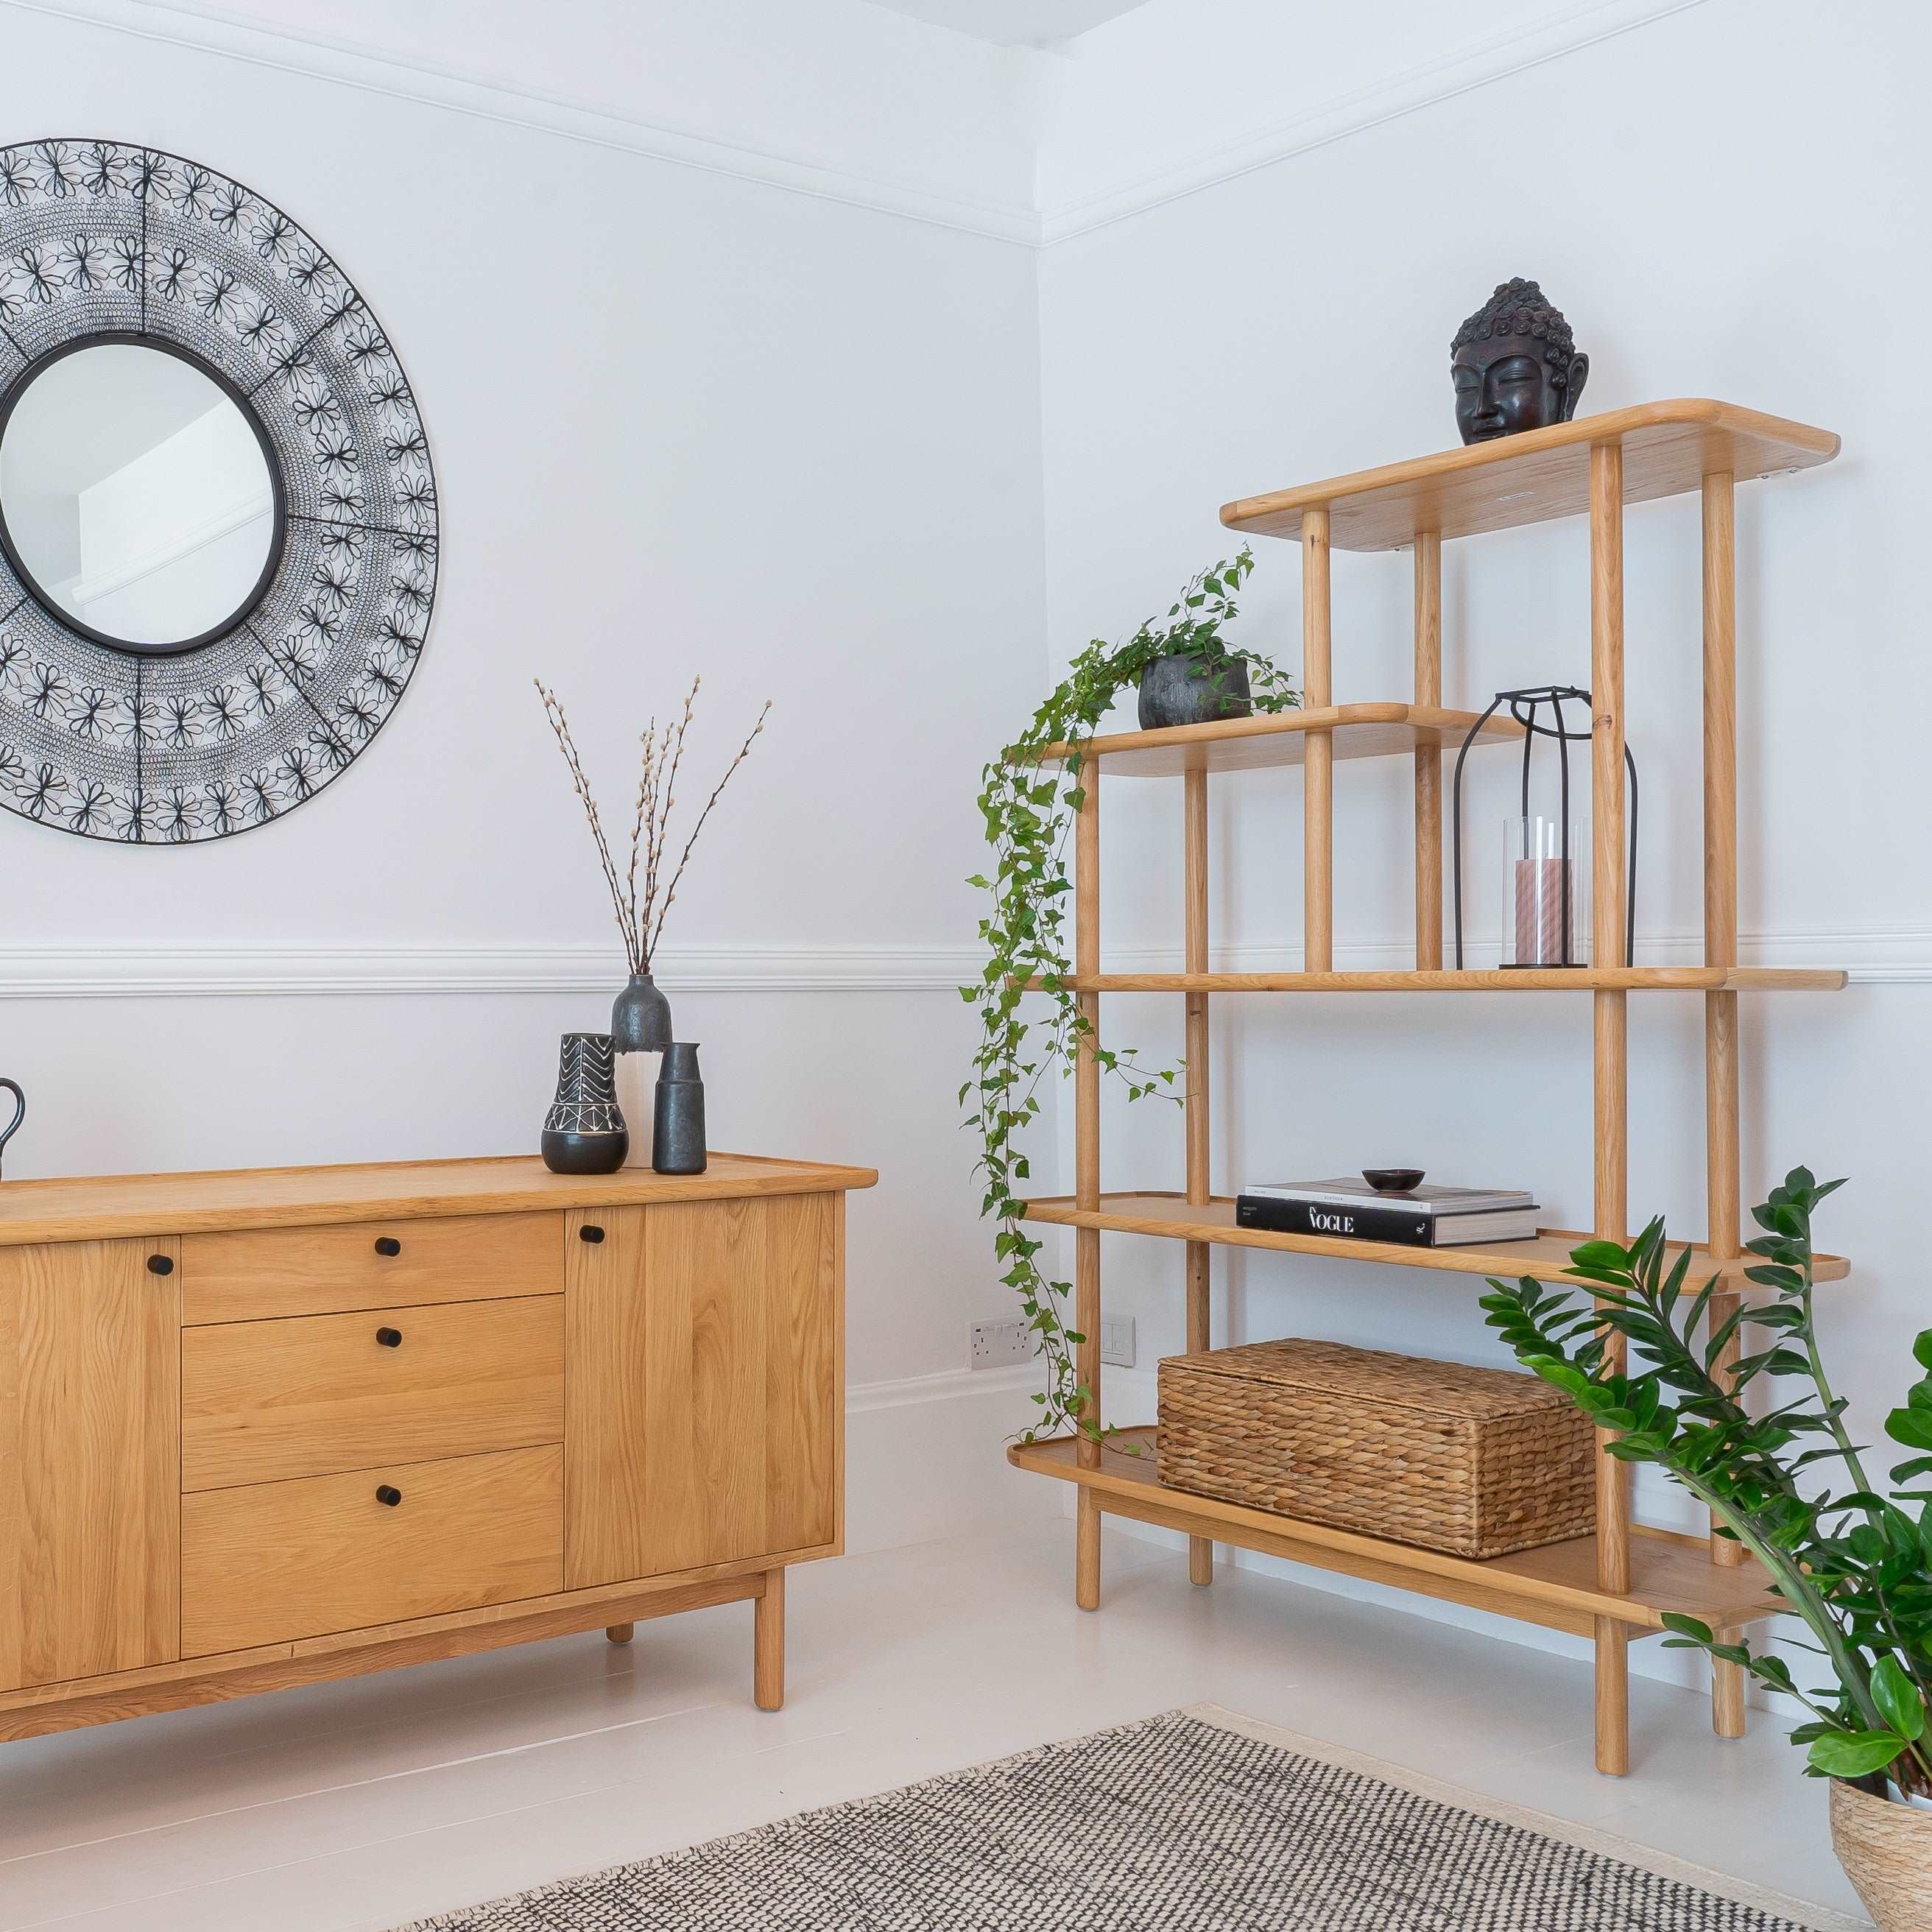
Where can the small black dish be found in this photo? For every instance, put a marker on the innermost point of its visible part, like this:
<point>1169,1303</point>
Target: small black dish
<point>1393,1179</point>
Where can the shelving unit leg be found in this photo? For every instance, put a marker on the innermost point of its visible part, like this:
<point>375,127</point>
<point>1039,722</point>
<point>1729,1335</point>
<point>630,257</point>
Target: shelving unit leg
<point>1428,757</point>
<point>1087,1176</point>
<point>1200,1548</point>
<point>1317,855</point>
<point>1611,1018</point>
<point>1720,949</point>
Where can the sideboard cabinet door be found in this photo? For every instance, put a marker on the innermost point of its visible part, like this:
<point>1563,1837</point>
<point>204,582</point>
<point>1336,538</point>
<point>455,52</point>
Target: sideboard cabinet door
<point>90,1459</point>
<point>703,1361</point>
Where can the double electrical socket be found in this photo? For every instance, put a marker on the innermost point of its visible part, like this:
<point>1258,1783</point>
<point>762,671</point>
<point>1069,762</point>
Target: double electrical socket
<point>997,1345</point>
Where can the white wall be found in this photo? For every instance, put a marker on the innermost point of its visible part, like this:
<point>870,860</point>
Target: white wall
<point>1722,202</point>
<point>735,359</point>
<point>685,420</point>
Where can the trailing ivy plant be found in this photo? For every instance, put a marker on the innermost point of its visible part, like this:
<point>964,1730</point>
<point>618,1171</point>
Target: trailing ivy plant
<point>1852,1565</point>
<point>1029,805</point>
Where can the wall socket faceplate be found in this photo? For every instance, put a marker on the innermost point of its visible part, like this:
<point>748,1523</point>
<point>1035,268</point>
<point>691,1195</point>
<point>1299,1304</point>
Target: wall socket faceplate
<point>998,1345</point>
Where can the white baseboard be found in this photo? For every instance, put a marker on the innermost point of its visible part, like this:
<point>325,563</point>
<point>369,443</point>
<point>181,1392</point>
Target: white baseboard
<point>925,1457</point>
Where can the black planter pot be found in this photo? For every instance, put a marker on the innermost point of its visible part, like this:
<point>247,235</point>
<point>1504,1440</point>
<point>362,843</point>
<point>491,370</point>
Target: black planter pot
<point>1179,690</point>
<point>640,1018</point>
<point>584,1132</point>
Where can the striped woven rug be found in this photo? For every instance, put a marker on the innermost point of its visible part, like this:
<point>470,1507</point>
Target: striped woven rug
<point>1193,1820</point>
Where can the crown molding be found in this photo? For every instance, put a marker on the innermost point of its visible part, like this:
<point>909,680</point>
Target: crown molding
<point>1877,955</point>
<point>208,30</point>
<point>1494,58</point>
<point>435,84</point>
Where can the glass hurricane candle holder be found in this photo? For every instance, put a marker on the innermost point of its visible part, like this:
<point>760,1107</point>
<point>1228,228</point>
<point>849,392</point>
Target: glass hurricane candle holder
<point>1546,891</point>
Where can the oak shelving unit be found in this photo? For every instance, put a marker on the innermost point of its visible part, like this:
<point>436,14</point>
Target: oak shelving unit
<point>1617,1583</point>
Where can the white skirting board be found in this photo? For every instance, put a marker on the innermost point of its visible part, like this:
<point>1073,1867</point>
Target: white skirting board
<point>926,1457</point>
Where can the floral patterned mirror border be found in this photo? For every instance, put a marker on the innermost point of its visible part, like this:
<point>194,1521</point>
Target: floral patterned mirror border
<point>104,238</point>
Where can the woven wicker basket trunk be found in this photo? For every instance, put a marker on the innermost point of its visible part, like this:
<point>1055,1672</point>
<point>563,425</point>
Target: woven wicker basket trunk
<point>1475,1462</point>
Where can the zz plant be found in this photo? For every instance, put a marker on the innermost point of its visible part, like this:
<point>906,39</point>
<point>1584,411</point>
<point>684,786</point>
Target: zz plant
<point>1852,1564</point>
<point>1029,806</point>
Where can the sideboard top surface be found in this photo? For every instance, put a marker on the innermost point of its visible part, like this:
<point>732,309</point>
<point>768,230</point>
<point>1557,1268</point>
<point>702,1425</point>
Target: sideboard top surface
<point>115,1207</point>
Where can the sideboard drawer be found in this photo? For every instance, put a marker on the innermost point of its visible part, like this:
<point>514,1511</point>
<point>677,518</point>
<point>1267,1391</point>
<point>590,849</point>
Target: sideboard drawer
<point>280,1560</point>
<point>313,1395</point>
<point>263,1272</point>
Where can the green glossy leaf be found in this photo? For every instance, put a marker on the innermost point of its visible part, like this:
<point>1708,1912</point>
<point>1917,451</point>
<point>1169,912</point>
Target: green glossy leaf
<point>1854,1753</point>
<point>1898,1699</point>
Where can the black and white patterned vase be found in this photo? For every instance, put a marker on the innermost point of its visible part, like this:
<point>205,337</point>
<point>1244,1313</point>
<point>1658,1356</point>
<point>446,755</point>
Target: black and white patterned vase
<point>584,1132</point>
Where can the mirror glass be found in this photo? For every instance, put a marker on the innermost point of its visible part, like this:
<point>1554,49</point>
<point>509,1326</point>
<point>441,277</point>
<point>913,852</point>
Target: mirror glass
<point>136,496</point>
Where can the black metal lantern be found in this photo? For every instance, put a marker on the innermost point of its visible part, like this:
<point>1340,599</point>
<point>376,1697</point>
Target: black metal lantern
<point>1547,901</point>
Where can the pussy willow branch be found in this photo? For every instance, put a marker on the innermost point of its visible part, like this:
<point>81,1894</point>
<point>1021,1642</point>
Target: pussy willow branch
<point>641,918</point>
<point>744,750</point>
<point>553,711</point>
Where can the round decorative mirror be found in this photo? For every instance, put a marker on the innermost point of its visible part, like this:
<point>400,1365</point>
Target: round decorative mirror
<point>218,529</point>
<point>140,500</point>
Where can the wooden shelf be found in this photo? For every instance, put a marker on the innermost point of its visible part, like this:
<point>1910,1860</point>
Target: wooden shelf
<point>1546,1258</point>
<point>1250,744</point>
<point>1527,979</point>
<point>1555,1586</point>
<point>1668,448</point>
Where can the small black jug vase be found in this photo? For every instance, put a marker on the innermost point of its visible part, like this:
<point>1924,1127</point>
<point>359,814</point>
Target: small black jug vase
<point>677,1146</point>
<point>13,1127</point>
<point>584,1132</point>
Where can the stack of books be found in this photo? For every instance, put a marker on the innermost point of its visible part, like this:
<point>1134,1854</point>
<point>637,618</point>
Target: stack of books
<point>1423,1217</point>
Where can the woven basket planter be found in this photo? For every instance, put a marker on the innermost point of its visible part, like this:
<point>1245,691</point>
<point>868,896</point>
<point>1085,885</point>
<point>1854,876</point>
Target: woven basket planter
<point>1474,1462</point>
<point>1886,1850</point>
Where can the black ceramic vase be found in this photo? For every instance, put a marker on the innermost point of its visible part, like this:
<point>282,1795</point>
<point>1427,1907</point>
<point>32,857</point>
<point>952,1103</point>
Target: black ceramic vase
<point>12,1127</point>
<point>677,1144</point>
<point>1180,690</point>
<point>584,1132</point>
<point>640,1018</point>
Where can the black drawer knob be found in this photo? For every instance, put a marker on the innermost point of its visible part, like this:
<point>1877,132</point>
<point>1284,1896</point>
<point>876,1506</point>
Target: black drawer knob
<point>390,1338</point>
<point>388,1244</point>
<point>161,1264</point>
<point>590,1232</point>
<point>388,1495</point>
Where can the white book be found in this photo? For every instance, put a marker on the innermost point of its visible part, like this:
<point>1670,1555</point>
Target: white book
<point>1423,1200</point>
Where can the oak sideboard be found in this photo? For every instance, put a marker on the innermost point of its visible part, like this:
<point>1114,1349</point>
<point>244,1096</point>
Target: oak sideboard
<point>260,1428</point>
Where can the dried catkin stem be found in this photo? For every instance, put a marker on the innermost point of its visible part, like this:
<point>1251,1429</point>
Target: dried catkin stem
<point>561,726</point>
<point>743,751</point>
<point>640,917</point>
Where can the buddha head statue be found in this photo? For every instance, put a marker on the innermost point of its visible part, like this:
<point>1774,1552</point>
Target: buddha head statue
<point>1515,365</point>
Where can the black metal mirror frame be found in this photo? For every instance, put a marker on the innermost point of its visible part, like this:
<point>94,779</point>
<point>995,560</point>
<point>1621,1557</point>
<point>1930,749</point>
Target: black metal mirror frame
<point>104,241</point>
<point>129,338</point>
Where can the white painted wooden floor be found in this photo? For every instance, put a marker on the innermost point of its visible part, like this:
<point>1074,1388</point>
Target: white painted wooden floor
<point>349,1807</point>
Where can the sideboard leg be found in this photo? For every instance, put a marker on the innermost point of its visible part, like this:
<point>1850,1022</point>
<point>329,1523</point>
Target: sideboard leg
<point>768,1645</point>
<point>620,1633</point>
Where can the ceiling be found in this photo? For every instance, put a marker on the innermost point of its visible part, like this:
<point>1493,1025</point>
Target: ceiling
<point>1015,23</point>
